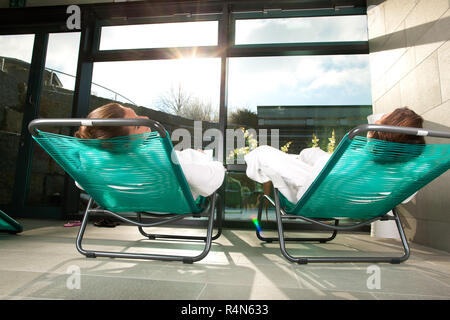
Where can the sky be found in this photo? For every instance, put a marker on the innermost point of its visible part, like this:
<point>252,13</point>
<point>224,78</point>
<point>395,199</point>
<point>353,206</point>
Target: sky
<point>295,80</point>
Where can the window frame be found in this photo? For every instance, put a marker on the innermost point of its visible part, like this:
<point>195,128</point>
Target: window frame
<point>45,20</point>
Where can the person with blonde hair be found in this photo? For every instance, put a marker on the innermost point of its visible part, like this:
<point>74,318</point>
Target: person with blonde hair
<point>203,175</point>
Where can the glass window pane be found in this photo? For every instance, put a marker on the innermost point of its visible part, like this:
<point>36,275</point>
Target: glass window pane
<point>15,59</point>
<point>174,92</point>
<point>299,80</point>
<point>180,34</point>
<point>47,177</point>
<point>242,197</point>
<point>310,29</point>
<point>297,97</point>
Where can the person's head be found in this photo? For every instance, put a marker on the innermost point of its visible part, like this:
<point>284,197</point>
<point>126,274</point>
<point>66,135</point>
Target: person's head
<point>400,117</point>
<point>110,111</point>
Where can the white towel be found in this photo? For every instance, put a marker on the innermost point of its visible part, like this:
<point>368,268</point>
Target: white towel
<point>291,174</point>
<point>203,175</point>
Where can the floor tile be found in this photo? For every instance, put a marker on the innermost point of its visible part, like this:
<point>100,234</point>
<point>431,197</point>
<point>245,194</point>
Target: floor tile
<point>38,263</point>
<point>61,286</point>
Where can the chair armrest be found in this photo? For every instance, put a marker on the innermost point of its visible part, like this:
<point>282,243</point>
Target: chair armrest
<point>359,130</point>
<point>128,122</point>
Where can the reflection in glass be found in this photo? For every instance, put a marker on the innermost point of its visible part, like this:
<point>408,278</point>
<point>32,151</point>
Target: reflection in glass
<point>243,196</point>
<point>15,59</point>
<point>47,178</point>
<point>309,100</point>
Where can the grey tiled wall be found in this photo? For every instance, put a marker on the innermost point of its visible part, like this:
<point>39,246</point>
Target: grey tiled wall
<point>410,66</point>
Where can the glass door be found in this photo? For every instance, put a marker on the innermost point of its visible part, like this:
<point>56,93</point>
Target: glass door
<point>15,60</point>
<point>46,183</point>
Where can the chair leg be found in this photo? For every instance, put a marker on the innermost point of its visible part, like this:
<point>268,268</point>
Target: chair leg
<point>271,239</point>
<point>170,236</point>
<point>89,254</point>
<point>402,238</point>
<point>184,259</point>
<point>305,260</point>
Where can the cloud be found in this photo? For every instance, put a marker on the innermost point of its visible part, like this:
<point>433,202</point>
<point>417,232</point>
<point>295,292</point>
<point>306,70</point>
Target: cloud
<point>62,52</point>
<point>17,46</point>
<point>299,80</point>
<point>339,78</point>
<point>307,29</point>
<point>62,55</point>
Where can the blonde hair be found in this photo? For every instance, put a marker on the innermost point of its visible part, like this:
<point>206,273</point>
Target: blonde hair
<point>108,111</point>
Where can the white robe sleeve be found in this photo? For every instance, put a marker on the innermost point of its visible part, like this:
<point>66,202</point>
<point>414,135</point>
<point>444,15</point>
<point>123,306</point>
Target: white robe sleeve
<point>287,173</point>
<point>203,175</point>
<point>312,155</point>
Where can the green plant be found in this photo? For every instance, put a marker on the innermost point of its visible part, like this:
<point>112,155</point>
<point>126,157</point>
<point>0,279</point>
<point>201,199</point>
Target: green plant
<point>315,141</point>
<point>332,143</point>
<point>285,148</point>
<point>329,147</point>
<point>250,144</point>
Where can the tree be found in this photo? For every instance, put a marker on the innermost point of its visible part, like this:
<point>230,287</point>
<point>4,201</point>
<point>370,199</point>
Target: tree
<point>179,102</point>
<point>174,100</point>
<point>244,117</point>
<point>198,109</point>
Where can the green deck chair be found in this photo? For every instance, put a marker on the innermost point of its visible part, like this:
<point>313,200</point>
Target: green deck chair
<point>363,180</point>
<point>137,174</point>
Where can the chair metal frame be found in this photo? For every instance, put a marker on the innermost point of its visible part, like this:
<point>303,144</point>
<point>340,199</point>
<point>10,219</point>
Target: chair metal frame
<point>15,227</point>
<point>165,218</point>
<point>282,215</point>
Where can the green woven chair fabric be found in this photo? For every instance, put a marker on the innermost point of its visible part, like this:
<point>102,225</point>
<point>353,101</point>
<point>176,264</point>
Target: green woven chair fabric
<point>366,178</point>
<point>125,174</point>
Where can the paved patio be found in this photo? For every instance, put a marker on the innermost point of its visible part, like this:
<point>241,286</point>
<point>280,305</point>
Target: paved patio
<point>37,264</point>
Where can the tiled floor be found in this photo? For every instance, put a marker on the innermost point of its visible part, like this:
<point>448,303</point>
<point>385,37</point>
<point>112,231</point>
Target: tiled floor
<point>41,263</point>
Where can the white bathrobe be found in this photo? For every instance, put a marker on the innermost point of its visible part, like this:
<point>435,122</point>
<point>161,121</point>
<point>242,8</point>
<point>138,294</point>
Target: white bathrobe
<point>203,175</point>
<point>290,173</point>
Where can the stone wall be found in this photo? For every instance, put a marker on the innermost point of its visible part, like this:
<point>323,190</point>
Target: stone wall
<point>12,97</point>
<point>410,64</point>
